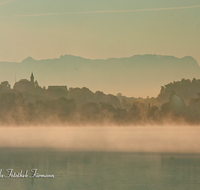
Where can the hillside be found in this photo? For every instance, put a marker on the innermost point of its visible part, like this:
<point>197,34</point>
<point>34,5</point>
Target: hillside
<point>139,75</point>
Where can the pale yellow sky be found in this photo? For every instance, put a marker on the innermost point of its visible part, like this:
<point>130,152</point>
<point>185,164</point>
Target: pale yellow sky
<point>154,27</point>
<point>47,29</point>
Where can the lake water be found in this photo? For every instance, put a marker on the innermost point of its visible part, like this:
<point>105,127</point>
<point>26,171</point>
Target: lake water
<point>107,159</point>
<point>101,170</point>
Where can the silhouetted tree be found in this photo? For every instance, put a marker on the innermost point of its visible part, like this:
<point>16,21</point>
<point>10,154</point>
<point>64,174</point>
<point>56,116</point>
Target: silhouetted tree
<point>186,88</point>
<point>11,107</point>
<point>137,112</point>
<point>175,106</point>
<point>4,86</point>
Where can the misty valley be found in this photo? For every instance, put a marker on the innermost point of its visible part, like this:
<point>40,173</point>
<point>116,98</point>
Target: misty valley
<point>78,138</point>
<point>27,103</point>
<point>99,95</point>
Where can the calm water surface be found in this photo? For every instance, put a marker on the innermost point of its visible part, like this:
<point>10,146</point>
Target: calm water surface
<point>101,170</point>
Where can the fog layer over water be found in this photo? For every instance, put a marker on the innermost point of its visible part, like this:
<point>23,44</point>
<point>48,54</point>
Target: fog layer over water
<point>134,139</point>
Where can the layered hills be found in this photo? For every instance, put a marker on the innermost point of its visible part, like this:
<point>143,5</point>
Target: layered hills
<point>139,75</point>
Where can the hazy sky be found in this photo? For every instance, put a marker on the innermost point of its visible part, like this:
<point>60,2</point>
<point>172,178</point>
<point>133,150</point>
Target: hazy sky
<point>98,29</point>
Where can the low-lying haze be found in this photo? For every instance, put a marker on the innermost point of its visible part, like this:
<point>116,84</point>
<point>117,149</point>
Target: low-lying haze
<point>134,139</point>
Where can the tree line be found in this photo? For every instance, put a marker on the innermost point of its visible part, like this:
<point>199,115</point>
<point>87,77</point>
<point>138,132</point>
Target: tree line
<point>29,104</point>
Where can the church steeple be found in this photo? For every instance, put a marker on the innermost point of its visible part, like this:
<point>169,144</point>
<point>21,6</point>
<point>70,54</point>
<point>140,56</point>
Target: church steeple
<point>32,78</point>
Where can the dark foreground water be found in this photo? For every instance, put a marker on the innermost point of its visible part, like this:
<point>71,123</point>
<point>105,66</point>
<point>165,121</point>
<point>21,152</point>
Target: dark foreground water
<point>101,170</point>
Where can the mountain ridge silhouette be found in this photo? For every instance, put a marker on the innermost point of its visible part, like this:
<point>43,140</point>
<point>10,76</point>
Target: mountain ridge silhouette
<point>138,75</point>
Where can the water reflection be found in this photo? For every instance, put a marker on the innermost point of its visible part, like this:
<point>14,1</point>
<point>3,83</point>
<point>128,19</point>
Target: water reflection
<point>102,170</point>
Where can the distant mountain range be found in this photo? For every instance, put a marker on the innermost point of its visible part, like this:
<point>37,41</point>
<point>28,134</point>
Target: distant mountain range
<point>139,75</point>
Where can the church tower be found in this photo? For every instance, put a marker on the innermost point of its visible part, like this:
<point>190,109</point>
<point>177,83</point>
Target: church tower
<point>32,78</point>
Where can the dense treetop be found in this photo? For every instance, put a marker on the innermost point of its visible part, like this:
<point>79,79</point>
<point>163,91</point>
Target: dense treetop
<point>28,103</point>
<point>186,88</point>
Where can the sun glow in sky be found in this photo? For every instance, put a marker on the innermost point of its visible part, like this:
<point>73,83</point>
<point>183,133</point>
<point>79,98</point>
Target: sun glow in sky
<point>93,29</point>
